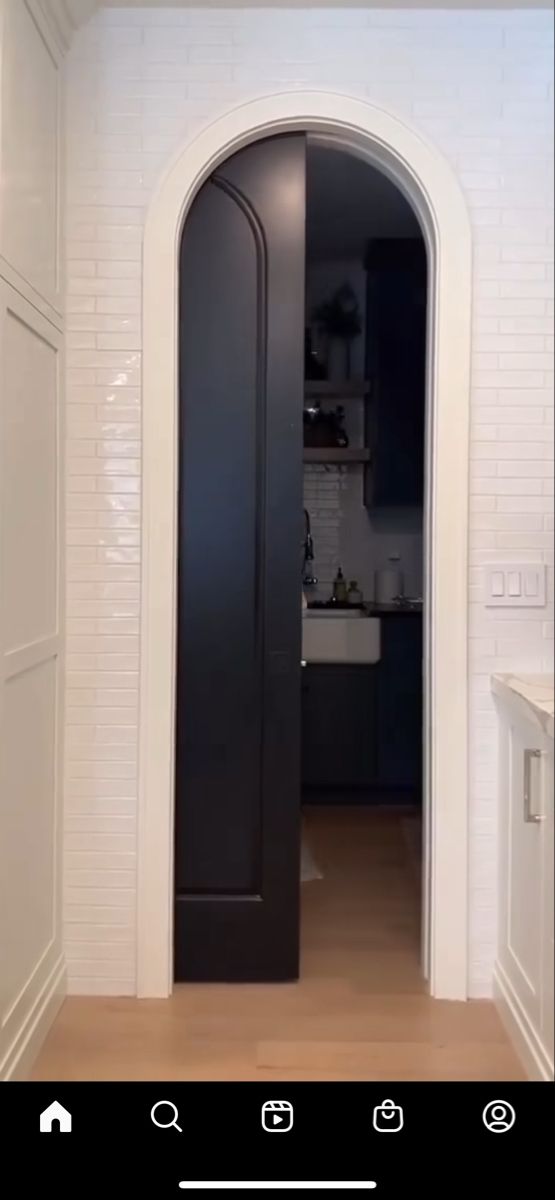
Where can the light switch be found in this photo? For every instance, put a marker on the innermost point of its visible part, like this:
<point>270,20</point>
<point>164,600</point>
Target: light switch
<point>530,583</point>
<point>515,585</point>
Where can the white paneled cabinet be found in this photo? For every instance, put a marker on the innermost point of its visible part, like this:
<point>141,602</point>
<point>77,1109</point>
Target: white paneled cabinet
<point>30,158</point>
<point>524,966</point>
<point>547,964</point>
<point>32,969</point>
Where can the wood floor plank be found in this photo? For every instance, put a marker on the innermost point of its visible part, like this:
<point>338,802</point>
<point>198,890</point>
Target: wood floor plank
<point>359,1011</point>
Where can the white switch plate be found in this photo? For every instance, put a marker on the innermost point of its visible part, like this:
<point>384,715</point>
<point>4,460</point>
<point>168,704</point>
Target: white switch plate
<point>514,585</point>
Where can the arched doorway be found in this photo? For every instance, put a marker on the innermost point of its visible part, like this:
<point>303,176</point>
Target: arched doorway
<point>427,181</point>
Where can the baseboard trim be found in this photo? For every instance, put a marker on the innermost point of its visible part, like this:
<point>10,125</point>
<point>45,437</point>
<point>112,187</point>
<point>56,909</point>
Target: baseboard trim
<point>521,1033</point>
<point>22,1053</point>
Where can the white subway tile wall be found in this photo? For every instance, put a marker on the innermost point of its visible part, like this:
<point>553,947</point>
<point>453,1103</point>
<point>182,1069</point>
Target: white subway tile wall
<point>140,82</point>
<point>323,486</point>
<point>345,534</point>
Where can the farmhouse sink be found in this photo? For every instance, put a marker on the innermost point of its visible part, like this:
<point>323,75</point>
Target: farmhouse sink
<point>340,637</point>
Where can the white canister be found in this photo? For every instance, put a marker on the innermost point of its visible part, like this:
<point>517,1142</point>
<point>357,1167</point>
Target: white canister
<point>388,585</point>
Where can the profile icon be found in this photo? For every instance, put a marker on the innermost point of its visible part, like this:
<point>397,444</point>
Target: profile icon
<point>499,1116</point>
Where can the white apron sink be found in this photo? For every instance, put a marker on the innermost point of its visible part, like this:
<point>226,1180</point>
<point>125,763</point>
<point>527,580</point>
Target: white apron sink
<point>340,637</point>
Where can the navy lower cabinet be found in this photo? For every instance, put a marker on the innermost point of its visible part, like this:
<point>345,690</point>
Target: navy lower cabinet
<point>362,725</point>
<point>400,707</point>
<point>339,731</point>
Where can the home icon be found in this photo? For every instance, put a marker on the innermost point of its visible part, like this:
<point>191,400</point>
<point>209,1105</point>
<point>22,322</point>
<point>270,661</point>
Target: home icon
<point>55,1119</point>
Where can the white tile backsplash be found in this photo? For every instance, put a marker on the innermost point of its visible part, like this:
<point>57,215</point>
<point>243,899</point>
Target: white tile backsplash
<point>141,81</point>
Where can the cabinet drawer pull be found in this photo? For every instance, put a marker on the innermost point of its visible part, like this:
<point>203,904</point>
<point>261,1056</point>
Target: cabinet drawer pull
<point>530,817</point>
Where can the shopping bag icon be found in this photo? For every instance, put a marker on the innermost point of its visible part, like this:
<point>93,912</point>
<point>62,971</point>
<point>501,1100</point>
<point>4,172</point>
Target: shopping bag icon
<point>388,1117</point>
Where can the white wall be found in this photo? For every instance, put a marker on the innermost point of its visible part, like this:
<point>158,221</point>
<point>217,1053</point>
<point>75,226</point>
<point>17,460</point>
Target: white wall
<point>346,534</point>
<point>31,543</point>
<point>368,539</point>
<point>478,84</point>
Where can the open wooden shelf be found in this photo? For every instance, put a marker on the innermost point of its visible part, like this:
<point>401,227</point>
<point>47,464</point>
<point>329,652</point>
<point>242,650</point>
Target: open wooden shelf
<point>336,389</point>
<point>336,454</point>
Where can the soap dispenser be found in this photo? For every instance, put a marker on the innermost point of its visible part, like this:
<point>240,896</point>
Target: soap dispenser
<point>339,588</point>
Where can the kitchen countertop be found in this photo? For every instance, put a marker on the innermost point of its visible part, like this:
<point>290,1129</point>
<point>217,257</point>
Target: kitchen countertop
<point>533,695</point>
<point>370,609</point>
<point>392,610</point>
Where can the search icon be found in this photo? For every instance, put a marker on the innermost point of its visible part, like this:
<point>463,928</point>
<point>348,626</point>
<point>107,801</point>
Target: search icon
<point>172,1124</point>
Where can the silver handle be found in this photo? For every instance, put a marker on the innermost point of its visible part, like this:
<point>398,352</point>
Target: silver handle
<point>303,662</point>
<point>530,817</point>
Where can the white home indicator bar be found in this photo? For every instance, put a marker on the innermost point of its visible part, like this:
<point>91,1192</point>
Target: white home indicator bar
<point>279,1184</point>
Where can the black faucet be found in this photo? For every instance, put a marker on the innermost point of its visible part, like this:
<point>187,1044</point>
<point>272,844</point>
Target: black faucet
<point>309,579</point>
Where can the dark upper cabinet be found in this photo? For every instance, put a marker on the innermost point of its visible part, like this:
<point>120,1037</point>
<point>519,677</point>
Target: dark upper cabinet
<point>396,367</point>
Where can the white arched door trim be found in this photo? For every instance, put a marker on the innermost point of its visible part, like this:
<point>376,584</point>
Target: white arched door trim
<point>428,182</point>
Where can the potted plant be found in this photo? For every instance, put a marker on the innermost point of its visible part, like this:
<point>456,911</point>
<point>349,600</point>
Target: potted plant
<point>339,320</point>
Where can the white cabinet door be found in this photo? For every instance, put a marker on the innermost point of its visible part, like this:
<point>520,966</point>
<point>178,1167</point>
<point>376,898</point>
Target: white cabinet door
<point>522,868</point>
<point>547,1002</point>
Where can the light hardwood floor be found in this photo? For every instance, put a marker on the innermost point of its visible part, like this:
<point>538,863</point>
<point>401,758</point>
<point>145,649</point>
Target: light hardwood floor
<point>359,1011</point>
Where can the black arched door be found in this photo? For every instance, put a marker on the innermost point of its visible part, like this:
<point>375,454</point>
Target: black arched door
<point>241,315</point>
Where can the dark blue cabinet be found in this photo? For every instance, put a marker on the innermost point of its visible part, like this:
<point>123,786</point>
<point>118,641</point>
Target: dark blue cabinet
<point>339,728</point>
<point>362,725</point>
<point>396,368</point>
<point>400,688</point>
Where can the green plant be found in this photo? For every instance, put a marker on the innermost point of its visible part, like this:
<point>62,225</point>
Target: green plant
<point>339,317</point>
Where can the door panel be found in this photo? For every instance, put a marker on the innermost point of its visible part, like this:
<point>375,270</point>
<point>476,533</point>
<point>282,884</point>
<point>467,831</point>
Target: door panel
<point>219,561</point>
<point>239,620</point>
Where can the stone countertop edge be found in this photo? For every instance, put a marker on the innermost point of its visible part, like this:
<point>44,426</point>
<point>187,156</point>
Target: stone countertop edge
<point>369,609</point>
<point>532,695</point>
<point>391,610</point>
